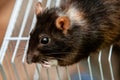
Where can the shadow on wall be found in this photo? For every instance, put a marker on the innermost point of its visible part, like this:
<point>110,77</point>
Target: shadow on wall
<point>5,12</point>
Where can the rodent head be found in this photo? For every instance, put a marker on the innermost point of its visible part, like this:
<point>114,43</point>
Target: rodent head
<point>59,38</point>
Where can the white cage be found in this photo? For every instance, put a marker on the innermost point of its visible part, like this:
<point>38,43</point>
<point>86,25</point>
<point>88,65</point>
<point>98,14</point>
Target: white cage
<point>13,52</point>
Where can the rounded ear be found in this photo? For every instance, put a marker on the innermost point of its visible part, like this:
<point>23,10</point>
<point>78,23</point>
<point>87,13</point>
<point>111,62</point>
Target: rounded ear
<point>38,8</point>
<point>63,23</point>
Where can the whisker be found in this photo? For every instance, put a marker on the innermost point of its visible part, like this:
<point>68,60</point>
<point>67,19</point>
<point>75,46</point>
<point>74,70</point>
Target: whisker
<point>60,58</point>
<point>61,53</point>
<point>56,53</point>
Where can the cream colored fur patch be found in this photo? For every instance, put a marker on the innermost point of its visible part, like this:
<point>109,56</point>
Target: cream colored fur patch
<point>76,16</point>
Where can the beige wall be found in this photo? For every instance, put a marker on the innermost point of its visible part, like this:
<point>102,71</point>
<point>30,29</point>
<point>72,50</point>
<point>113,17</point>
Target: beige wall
<point>5,11</point>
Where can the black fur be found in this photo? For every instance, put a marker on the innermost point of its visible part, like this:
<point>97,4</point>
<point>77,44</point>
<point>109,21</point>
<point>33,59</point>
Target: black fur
<point>102,30</point>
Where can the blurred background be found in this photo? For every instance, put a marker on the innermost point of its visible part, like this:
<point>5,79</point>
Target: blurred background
<point>6,7</point>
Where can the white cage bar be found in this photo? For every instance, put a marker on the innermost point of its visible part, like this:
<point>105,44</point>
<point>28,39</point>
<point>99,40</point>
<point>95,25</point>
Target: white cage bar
<point>12,45</point>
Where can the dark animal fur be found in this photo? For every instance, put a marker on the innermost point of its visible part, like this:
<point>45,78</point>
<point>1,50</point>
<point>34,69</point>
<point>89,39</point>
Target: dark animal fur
<point>102,29</point>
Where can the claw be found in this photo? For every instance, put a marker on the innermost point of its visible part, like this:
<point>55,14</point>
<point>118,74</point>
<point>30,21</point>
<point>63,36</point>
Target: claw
<point>50,63</point>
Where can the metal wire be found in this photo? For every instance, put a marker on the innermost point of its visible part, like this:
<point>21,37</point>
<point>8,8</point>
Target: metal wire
<point>100,64</point>
<point>68,74</point>
<point>79,74</point>
<point>110,63</point>
<point>10,28</point>
<point>90,69</point>
<point>19,38</point>
<point>58,73</point>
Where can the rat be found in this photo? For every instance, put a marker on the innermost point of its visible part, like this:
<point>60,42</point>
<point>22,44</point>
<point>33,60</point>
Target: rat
<point>67,34</point>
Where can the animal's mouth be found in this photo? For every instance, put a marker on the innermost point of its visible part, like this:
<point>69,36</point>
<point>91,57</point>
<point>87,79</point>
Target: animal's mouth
<point>49,63</point>
<point>45,62</point>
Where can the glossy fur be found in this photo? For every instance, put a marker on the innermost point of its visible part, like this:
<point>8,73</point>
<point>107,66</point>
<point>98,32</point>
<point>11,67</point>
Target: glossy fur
<point>100,28</point>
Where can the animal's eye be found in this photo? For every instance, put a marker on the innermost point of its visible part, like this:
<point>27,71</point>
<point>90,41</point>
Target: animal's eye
<point>44,40</point>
